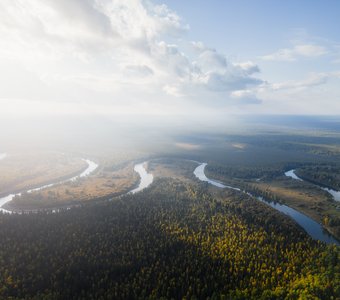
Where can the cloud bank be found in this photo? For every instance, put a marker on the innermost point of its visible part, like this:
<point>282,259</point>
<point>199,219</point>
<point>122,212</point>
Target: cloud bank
<point>111,57</point>
<point>133,57</point>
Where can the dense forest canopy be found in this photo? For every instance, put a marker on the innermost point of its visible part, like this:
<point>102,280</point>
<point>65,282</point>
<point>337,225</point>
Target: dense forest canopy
<point>173,240</point>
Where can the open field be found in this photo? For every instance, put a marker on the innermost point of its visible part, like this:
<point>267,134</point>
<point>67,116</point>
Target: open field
<point>102,184</point>
<point>105,183</point>
<point>19,172</point>
<point>172,168</point>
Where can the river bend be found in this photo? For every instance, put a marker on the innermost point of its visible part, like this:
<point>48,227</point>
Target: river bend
<point>335,194</point>
<point>91,166</point>
<point>145,178</point>
<point>313,228</point>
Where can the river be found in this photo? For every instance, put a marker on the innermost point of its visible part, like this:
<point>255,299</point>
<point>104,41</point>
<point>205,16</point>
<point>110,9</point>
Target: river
<point>199,173</point>
<point>313,228</point>
<point>335,194</point>
<point>91,166</point>
<point>145,178</point>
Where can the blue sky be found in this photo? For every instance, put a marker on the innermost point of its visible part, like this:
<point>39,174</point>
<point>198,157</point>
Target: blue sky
<point>251,28</point>
<point>155,57</point>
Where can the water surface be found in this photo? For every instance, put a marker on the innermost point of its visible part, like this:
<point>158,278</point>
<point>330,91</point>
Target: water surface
<point>291,174</point>
<point>145,178</point>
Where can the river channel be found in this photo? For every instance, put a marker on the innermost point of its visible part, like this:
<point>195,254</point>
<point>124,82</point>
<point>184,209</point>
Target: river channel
<point>313,228</point>
<point>335,194</point>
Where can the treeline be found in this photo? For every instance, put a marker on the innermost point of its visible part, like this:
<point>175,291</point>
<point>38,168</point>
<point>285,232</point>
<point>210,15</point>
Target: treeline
<point>325,175</point>
<point>172,241</point>
<point>253,172</point>
<point>317,145</point>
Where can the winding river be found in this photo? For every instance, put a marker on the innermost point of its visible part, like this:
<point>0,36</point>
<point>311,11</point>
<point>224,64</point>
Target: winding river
<point>313,228</point>
<point>199,173</point>
<point>145,178</point>
<point>335,194</point>
<point>91,166</point>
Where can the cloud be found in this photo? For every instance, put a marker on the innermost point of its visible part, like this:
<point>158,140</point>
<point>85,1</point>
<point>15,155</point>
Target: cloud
<point>245,97</point>
<point>138,70</point>
<point>198,46</point>
<point>172,90</point>
<point>212,60</point>
<point>212,70</point>
<point>292,54</point>
<point>84,14</point>
<point>317,93</point>
<point>110,53</point>
<point>248,67</point>
<point>313,79</point>
<point>228,81</point>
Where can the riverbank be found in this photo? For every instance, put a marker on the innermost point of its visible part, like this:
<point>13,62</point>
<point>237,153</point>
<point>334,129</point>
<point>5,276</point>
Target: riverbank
<point>47,184</point>
<point>20,172</point>
<point>328,188</point>
<point>137,185</point>
<point>5,201</point>
<point>313,228</point>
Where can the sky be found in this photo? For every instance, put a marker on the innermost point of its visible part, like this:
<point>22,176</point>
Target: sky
<point>186,59</point>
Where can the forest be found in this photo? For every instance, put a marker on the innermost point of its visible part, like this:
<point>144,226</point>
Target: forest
<point>174,240</point>
<point>326,175</point>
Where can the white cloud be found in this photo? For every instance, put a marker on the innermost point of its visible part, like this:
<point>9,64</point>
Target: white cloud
<point>314,79</point>
<point>248,67</point>
<point>213,71</point>
<point>138,70</point>
<point>198,46</point>
<point>172,90</point>
<point>108,52</point>
<point>245,96</point>
<point>317,93</point>
<point>310,50</point>
<point>292,54</point>
<point>210,60</point>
